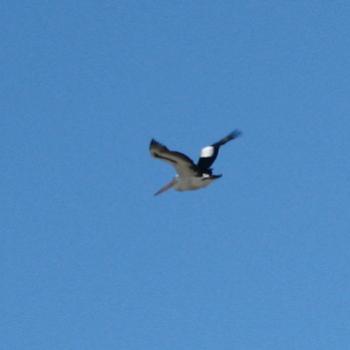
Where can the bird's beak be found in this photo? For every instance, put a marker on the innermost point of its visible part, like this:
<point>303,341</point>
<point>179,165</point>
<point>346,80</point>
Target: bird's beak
<point>166,187</point>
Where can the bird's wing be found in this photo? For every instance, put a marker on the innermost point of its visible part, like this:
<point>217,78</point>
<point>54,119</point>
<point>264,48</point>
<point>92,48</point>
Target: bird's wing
<point>209,153</point>
<point>183,165</point>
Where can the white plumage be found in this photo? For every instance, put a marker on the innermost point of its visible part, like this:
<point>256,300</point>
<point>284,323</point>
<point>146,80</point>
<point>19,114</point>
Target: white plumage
<point>207,151</point>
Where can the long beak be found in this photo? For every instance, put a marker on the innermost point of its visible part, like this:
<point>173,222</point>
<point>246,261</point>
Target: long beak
<point>166,187</point>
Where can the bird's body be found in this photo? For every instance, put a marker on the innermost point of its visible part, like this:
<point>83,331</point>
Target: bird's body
<point>190,176</point>
<point>192,182</point>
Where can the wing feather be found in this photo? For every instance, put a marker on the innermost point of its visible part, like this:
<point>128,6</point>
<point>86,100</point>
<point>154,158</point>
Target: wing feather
<point>183,165</point>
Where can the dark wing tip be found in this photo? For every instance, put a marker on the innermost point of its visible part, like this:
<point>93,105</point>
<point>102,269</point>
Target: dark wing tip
<point>234,134</point>
<point>231,136</point>
<point>153,143</point>
<point>156,147</point>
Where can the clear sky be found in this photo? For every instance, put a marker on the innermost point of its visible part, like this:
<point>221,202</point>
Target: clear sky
<point>90,259</point>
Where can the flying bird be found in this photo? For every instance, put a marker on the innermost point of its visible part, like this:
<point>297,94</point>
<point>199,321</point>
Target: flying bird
<point>190,176</point>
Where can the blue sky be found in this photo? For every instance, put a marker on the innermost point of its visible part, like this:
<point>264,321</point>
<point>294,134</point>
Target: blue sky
<point>89,259</point>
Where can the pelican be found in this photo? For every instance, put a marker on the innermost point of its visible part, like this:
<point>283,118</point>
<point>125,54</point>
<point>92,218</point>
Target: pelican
<point>190,176</point>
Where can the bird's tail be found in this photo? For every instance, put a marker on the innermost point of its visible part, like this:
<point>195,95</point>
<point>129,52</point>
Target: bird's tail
<point>233,135</point>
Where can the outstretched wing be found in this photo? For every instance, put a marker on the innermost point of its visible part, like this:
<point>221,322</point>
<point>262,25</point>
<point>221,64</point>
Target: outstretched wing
<point>209,153</point>
<point>183,165</point>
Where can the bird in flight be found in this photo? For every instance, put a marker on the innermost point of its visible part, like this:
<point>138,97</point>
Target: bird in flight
<point>190,176</point>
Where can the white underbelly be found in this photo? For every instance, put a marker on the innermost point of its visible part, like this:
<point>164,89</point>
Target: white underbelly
<point>191,183</point>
